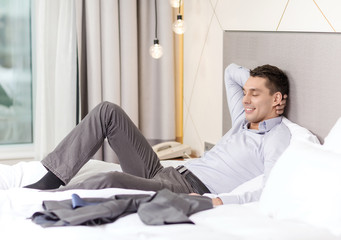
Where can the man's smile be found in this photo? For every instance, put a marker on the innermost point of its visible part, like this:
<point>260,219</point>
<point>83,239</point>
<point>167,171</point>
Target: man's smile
<point>249,109</point>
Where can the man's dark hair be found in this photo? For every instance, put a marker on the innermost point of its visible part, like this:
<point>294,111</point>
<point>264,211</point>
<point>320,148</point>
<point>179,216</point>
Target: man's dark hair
<point>277,80</point>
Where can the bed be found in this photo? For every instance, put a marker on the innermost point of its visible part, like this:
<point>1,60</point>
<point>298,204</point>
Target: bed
<point>224,222</point>
<point>293,205</point>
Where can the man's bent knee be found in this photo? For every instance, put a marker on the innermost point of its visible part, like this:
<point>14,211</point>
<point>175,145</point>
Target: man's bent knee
<point>109,105</point>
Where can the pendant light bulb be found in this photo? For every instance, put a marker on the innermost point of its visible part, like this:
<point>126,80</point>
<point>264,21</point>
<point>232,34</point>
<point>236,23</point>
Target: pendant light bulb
<point>179,26</point>
<point>156,51</point>
<point>175,3</point>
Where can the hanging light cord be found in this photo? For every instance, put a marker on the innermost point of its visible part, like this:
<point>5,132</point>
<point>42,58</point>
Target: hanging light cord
<point>155,20</point>
<point>179,7</point>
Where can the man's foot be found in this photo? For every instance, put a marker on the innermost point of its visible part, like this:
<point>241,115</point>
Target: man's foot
<point>49,181</point>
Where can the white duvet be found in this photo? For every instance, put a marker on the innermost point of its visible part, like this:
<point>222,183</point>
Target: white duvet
<point>223,222</point>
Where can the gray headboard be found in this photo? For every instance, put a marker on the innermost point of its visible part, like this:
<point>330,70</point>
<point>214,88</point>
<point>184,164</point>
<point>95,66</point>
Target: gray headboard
<point>312,62</point>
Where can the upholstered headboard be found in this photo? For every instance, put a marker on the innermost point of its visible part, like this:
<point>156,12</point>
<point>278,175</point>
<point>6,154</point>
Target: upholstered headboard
<point>312,62</point>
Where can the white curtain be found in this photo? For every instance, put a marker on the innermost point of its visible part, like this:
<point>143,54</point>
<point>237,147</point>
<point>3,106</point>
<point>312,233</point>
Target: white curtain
<point>55,72</point>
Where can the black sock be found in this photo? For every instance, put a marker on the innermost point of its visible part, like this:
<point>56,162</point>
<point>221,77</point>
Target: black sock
<point>49,181</point>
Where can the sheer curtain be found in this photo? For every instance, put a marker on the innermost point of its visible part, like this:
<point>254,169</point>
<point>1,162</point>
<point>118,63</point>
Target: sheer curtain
<point>55,70</point>
<point>108,41</point>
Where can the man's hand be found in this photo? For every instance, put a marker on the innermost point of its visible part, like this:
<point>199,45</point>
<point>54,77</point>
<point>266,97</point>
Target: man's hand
<point>215,201</point>
<point>280,108</point>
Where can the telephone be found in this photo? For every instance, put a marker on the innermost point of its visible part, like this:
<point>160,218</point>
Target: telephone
<point>168,150</point>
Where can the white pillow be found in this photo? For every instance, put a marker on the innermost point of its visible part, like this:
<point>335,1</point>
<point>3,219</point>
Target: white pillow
<point>298,132</point>
<point>20,174</point>
<point>92,168</point>
<point>305,185</point>
<point>333,139</point>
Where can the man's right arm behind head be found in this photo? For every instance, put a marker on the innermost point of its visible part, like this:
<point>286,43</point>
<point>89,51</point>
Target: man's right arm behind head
<point>235,77</point>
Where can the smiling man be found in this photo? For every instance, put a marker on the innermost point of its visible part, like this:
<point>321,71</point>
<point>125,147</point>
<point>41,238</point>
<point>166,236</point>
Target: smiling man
<point>262,92</point>
<point>252,146</point>
<point>257,138</point>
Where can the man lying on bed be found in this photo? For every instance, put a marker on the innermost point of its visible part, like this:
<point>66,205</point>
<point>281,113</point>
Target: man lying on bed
<point>257,138</point>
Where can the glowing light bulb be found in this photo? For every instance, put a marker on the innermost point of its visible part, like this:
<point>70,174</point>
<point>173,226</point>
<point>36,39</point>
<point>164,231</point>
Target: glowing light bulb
<point>156,51</point>
<point>179,26</point>
<point>175,3</point>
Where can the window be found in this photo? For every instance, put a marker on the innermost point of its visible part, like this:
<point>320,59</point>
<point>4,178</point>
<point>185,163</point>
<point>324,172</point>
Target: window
<point>16,124</point>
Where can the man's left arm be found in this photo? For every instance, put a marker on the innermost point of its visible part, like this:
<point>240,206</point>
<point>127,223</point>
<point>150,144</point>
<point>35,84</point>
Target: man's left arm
<point>241,198</point>
<point>274,145</point>
<point>233,198</point>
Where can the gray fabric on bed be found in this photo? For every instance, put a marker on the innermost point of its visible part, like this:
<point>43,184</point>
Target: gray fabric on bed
<point>165,207</point>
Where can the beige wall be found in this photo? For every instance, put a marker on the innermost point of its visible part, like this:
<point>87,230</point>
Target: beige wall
<point>203,67</point>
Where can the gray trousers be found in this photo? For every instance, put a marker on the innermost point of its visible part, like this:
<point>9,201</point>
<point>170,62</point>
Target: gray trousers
<point>141,167</point>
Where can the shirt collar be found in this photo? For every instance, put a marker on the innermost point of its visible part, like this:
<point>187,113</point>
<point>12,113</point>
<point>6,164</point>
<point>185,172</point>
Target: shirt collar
<point>265,125</point>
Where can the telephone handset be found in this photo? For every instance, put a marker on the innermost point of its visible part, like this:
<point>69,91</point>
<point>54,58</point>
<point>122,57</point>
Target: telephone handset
<point>168,150</point>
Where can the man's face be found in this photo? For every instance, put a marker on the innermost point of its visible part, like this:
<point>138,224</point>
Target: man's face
<point>259,105</point>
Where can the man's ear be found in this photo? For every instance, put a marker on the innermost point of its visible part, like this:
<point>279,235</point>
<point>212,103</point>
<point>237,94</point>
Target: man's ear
<point>277,98</point>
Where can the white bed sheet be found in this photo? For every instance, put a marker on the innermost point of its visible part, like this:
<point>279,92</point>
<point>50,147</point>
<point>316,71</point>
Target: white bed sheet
<point>224,222</point>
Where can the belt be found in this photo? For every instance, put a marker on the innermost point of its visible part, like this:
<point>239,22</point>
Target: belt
<point>193,180</point>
